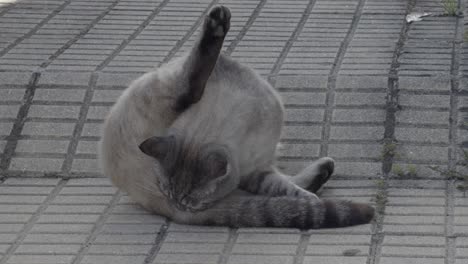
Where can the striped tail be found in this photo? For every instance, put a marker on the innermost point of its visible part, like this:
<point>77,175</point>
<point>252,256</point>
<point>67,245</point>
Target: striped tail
<point>283,211</point>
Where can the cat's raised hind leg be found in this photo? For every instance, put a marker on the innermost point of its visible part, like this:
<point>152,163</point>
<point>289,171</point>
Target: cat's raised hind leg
<point>314,176</point>
<point>202,58</point>
<point>273,183</point>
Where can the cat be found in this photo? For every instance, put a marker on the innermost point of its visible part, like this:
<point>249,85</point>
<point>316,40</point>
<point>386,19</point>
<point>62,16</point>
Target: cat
<point>195,141</point>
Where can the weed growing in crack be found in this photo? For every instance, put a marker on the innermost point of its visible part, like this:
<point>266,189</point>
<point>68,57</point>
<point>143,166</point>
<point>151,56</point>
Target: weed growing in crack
<point>462,177</point>
<point>450,7</point>
<point>411,171</point>
<point>389,149</point>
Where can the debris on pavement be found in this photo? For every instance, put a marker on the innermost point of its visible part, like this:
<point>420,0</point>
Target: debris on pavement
<point>416,16</point>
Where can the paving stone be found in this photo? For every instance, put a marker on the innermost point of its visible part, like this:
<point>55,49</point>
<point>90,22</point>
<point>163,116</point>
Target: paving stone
<point>119,249</point>
<point>36,164</point>
<point>51,249</point>
<point>65,78</point>
<point>86,165</point>
<point>62,95</point>
<point>42,146</point>
<point>48,129</point>
<point>19,78</point>
<point>54,111</point>
<point>40,259</point>
<point>241,259</point>
<point>108,259</point>
<point>334,260</point>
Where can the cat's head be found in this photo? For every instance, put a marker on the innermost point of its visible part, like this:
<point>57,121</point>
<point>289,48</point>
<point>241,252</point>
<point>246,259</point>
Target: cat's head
<point>193,177</point>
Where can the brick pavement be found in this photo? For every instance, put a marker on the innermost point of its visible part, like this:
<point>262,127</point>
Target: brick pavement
<point>359,84</point>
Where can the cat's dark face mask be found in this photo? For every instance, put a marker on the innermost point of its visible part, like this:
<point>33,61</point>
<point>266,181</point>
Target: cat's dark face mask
<point>193,178</point>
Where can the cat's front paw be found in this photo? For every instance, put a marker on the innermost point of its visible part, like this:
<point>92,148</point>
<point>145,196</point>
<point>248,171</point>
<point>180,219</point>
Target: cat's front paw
<point>217,21</point>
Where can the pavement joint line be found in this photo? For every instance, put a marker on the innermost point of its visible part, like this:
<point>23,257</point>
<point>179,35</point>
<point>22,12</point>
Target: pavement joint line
<point>12,139</point>
<point>256,12</point>
<point>35,28</point>
<point>297,31</point>
<point>392,106</point>
<point>158,241</point>
<point>71,151</point>
<point>331,81</point>
<point>84,248</point>
<point>32,220</point>
<point>137,31</point>
<point>228,246</point>
<point>450,245</point>
<point>78,36</point>
<point>301,247</point>
<point>189,33</point>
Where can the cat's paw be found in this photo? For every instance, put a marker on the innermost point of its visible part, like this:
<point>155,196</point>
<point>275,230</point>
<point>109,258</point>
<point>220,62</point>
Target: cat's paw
<point>217,21</point>
<point>326,166</point>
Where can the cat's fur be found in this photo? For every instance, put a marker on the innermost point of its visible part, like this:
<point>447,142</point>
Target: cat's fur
<point>195,141</point>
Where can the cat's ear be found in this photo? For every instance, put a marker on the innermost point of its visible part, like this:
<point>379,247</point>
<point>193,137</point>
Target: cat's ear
<point>157,147</point>
<point>216,164</point>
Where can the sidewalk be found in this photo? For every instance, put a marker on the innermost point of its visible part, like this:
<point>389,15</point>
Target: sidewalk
<point>359,84</point>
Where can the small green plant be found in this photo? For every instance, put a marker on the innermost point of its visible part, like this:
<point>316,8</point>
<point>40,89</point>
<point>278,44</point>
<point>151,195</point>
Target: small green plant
<point>411,171</point>
<point>456,175</point>
<point>450,7</point>
<point>397,170</point>
<point>380,183</point>
<point>389,149</point>
<point>380,197</point>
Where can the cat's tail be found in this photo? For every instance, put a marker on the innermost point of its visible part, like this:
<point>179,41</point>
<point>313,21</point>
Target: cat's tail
<point>284,211</point>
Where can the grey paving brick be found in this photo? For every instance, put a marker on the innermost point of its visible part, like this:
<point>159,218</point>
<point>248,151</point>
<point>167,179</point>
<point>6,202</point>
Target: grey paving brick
<point>52,249</point>
<point>268,238</point>
<point>355,150</point>
<point>5,128</point>
<point>55,238</point>
<point>301,132</point>
<point>430,135</point>
<point>36,164</point>
<point>388,260</point>
<point>31,181</point>
<point>87,147</point>
<point>196,237</point>
<point>119,249</point>
<point>9,111</point>
<point>20,78</point>
<point>112,259</point>
<point>424,83</point>
<point>358,168</point>
<point>42,146</point>
<point>65,95</point>
<point>301,82</point>
<point>54,111</point>
<point>241,259</point>
<point>85,165</point>
<point>336,250</point>
<point>68,218</point>
<point>48,129</point>
<point>350,82</point>
<point>65,78</point>
<point>11,228</point>
<point>334,260</point>
<point>62,228</point>
<point>87,199</point>
<point>40,259</point>
<point>186,258</point>
<point>357,132</point>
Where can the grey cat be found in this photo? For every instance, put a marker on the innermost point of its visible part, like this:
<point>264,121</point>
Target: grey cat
<point>195,141</point>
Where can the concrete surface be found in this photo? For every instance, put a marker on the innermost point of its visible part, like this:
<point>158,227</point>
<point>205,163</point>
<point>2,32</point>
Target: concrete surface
<point>359,84</point>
